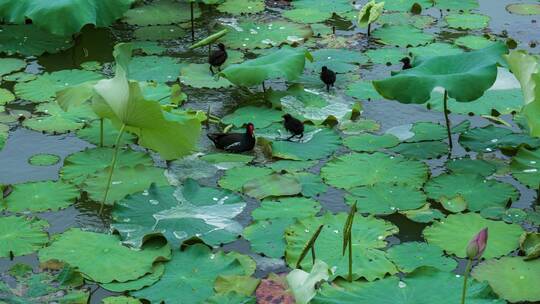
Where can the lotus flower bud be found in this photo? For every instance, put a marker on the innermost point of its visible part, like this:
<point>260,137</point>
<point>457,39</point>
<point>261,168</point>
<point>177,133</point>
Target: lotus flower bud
<point>477,245</point>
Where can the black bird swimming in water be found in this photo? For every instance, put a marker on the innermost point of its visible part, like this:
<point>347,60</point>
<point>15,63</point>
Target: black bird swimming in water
<point>328,77</point>
<point>293,125</point>
<point>218,57</point>
<point>406,63</point>
<point>235,142</point>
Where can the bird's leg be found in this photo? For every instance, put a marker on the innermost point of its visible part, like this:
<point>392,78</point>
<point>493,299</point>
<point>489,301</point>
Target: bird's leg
<point>289,138</point>
<point>263,87</point>
<point>328,88</point>
<point>219,68</point>
<point>211,71</point>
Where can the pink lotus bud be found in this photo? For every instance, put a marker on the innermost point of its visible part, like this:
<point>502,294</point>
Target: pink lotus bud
<point>477,245</point>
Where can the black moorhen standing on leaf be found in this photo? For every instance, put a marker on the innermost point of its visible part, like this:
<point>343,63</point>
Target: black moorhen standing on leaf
<point>328,77</point>
<point>406,63</point>
<point>293,125</point>
<point>218,57</point>
<point>235,142</point>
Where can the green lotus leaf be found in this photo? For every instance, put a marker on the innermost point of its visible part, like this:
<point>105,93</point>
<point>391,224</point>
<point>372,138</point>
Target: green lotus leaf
<point>209,40</point>
<point>190,275</point>
<point>65,17</point>
<point>266,236</point>
<point>230,298</point>
<point>9,65</point>
<point>419,131</point>
<point>161,12</point>
<point>453,73</point>
<point>149,47</point>
<point>316,144</point>
<point>290,207</point>
<point>338,60</point>
<point>245,285</point>
<point>265,35</point>
<point>456,5</point>
<point>91,66</point>
<point>20,77</point>
<point>363,90</point>
<point>26,286</point>
<point>235,178</point>
<point>312,184</point>
<point>29,40</point>
<point>241,7</point>
<point>291,165</point>
<point>455,231</point>
<point>412,255</point>
<point>402,35</point>
<point>154,68</point>
<point>512,278</point>
<point>6,96</point>
<point>189,167</point>
<point>261,117</point>
<point>490,138</point>
<point>79,166</point>
<point>368,234</point>
<point>474,42</point>
<point>510,215</point>
<point>405,18</point>
<point>498,101</point>
<point>190,211</point>
<point>369,13</point>
<point>227,160</point>
<point>199,76</point>
<point>41,196</point>
<point>159,32</point>
<point>524,8</point>
<point>405,5</point>
<point>426,214</point>
<point>272,185</point>
<point>45,87</point>
<point>529,243</point>
<point>304,285</point>
<point>4,133</point>
<point>57,120</point>
<point>421,150</point>
<point>435,49</point>
<point>471,166</point>
<point>125,180</point>
<point>139,283</point>
<point>92,134</point>
<point>84,250</point>
<point>467,21</point>
<point>385,198</point>
<point>525,166</point>
<point>331,6</point>
<point>21,236</point>
<point>286,62</point>
<point>307,15</point>
<point>362,169</point>
<point>120,300</point>
<point>44,159</point>
<point>370,143</point>
<point>424,286</point>
<point>385,55</point>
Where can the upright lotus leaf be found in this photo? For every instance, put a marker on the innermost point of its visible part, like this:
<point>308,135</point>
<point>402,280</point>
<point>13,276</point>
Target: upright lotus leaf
<point>286,62</point>
<point>525,166</point>
<point>41,196</point>
<point>209,40</point>
<point>511,278</point>
<point>190,211</point>
<point>190,275</point>
<point>86,251</point>
<point>304,284</point>
<point>64,17</point>
<point>426,285</point>
<point>29,40</point>
<point>526,68</point>
<point>21,236</point>
<point>413,255</point>
<point>368,236</point>
<point>369,13</point>
<point>161,12</point>
<point>453,234</point>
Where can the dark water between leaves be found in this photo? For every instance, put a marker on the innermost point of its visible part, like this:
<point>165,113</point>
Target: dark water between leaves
<point>98,44</point>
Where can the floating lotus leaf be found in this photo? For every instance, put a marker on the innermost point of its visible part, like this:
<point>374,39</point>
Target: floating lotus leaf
<point>154,68</point>
<point>120,300</point>
<point>245,285</point>
<point>338,60</point>
<point>285,63</point>
<point>490,138</point>
<point>44,159</point>
<point>261,117</point>
<point>370,142</point>
<point>385,198</point>
<point>453,73</point>
<point>524,8</point>
<point>317,144</point>
<point>385,55</point>
<point>363,90</point>
<point>510,215</point>
<point>312,184</point>
<point>20,77</point>
<point>412,255</point>
<point>29,40</point>
<point>405,18</point>
<point>149,47</point>
<point>79,166</point>
<point>237,177</point>
<point>139,283</point>
<point>502,101</point>
<point>91,66</point>
<point>272,185</point>
<point>456,5</point>
<point>291,165</point>
<point>57,120</point>
<point>525,166</point>
<point>419,131</point>
<point>307,15</point>
<point>159,32</point>
<point>402,35</point>
<point>190,275</point>
<point>199,76</point>
<point>425,214</point>
<point>45,87</point>
<point>189,167</point>
<point>368,234</point>
<point>41,196</point>
<point>4,133</point>
<point>512,278</point>
<point>125,180</point>
<point>362,169</point>
<point>471,166</point>
<point>422,150</point>
<point>178,215</point>
<point>84,250</point>
<point>435,49</point>
<point>6,96</point>
<point>63,18</point>
<point>467,21</point>
<point>9,65</point>
<point>25,286</point>
<point>265,35</point>
<point>405,5</point>
<point>266,236</point>
<point>21,236</point>
<point>332,6</point>
<point>230,298</point>
<point>227,160</point>
<point>424,286</point>
<point>454,232</point>
<point>240,7</point>
<point>290,207</point>
<point>161,12</point>
<point>92,134</point>
<point>474,42</point>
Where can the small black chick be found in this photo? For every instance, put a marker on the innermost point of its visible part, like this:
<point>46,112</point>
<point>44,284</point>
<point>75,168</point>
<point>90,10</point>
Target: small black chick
<point>406,63</point>
<point>235,142</point>
<point>218,57</point>
<point>293,125</point>
<point>328,77</point>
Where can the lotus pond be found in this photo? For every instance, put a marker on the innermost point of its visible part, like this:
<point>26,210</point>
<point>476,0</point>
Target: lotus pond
<point>112,192</point>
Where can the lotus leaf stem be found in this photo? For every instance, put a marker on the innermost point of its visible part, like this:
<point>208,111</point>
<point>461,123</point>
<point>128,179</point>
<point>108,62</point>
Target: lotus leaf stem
<point>111,169</point>
<point>369,30</point>
<point>192,25</point>
<point>101,132</point>
<point>447,120</point>
<point>465,279</point>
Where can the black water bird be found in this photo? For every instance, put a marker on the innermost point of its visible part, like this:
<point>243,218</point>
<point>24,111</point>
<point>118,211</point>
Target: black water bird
<point>235,142</point>
<point>218,57</point>
<point>406,63</point>
<point>293,125</point>
<point>328,77</point>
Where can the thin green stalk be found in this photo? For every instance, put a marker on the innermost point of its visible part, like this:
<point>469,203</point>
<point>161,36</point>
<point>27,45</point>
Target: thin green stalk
<point>447,120</point>
<point>111,170</point>
<point>350,257</point>
<point>310,245</point>
<point>101,132</point>
<point>465,278</point>
<point>369,29</point>
<point>192,24</point>
<point>313,254</point>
